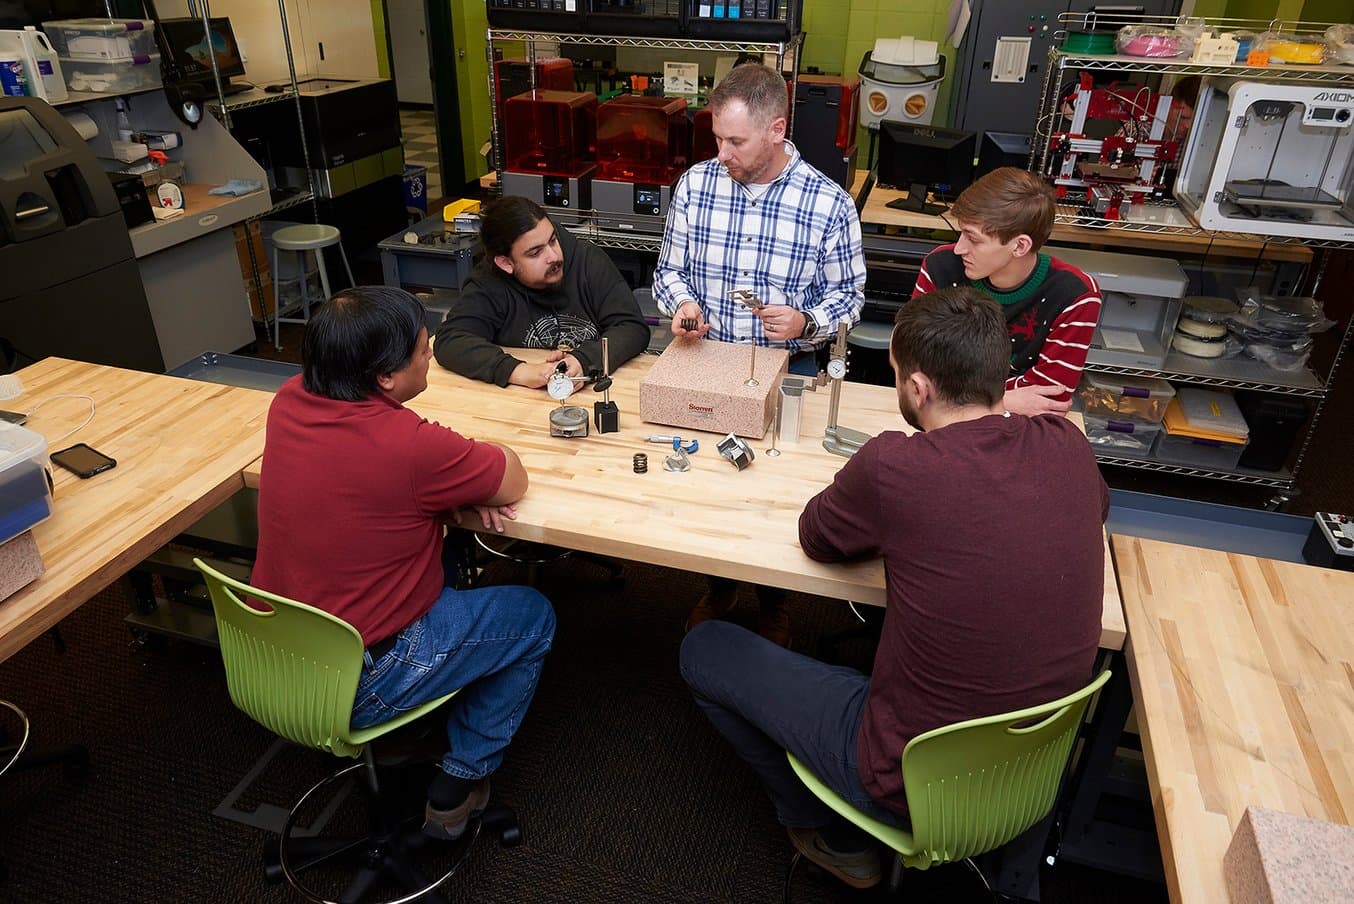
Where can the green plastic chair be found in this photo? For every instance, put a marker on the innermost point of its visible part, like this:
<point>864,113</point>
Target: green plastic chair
<point>972,786</point>
<point>294,669</point>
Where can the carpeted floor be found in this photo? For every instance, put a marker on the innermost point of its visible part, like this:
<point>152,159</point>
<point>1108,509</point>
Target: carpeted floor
<point>624,791</point>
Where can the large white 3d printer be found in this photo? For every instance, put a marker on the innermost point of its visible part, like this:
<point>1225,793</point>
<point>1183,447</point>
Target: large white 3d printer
<point>1271,160</point>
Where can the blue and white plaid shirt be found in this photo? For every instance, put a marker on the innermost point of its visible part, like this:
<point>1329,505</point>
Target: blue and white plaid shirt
<point>797,244</point>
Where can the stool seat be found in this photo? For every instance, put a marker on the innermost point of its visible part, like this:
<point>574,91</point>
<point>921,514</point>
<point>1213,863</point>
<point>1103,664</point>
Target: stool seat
<point>868,334</point>
<point>306,237</point>
<point>300,239</point>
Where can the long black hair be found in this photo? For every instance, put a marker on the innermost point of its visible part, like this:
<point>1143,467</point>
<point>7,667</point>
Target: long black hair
<point>504,221</point>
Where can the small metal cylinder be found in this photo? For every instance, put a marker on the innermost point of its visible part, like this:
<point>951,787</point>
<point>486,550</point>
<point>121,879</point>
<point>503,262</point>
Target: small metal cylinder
<point>790,403</point>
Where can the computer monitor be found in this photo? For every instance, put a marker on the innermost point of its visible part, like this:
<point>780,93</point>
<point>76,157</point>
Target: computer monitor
<point>186,46</point>
<point>921,158</point>
<point>998,149</point>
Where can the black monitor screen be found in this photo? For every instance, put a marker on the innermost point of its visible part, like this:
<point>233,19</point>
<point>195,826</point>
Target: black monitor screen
<point>941,159</point>
<point>186,44</point>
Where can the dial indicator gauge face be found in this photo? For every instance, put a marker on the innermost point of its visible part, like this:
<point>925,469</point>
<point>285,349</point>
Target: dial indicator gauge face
<point>559,387</point>
<point>836,368</point>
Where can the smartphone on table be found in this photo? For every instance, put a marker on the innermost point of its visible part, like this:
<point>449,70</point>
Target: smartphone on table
<point>82,460</point>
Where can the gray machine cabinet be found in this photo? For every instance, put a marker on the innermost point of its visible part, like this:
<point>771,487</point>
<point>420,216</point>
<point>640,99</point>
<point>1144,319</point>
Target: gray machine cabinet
<point>981,103</point>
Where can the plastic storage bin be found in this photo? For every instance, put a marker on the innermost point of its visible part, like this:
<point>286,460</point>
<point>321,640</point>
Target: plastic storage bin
<point>101,39</point>
<point>25,495</point>
<point>1203,428</point>
<point>119,76</point>
<point>1136,398</point>
<point>1113,436</point>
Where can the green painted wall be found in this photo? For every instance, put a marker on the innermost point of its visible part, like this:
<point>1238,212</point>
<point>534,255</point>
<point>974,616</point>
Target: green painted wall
<point>469,25</point>
<point>378,27</point>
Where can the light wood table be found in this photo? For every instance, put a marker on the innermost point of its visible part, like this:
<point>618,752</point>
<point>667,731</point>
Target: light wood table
<point>877,212</point>
<point>1243,672</point>
<point>713,519</point>
<point>180,446</point>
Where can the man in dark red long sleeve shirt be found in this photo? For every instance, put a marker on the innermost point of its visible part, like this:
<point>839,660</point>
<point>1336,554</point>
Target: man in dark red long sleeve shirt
<point>989,525</point>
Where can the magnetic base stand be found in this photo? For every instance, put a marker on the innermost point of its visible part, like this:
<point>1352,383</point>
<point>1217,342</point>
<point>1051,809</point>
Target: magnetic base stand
<point>844,441</point>
<point>606,417</point>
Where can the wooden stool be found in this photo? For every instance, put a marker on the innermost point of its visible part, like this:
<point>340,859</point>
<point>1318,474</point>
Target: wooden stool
<point>300,239</point>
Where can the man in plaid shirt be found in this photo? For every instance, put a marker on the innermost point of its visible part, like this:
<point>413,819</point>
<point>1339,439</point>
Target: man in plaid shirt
<point>759,217</point>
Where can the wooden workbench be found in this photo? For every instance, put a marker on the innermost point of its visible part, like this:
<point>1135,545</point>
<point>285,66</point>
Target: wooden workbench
<point>1243,673</point>
<point>713,519</point>
<point>876,212</point>
<point>180,446</point>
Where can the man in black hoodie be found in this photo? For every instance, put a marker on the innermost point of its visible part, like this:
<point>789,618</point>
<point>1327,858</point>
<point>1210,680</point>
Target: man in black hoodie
<point>538,287</point>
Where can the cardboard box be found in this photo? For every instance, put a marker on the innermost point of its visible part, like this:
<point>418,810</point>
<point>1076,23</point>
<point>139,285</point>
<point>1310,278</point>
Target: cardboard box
<point>1280,858</point>
<point>700,384</point>
<point>20,564</point>
<point>255,236</point>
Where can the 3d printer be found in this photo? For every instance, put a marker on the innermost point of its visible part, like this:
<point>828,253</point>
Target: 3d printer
<point>1117,148</point>
<point>550,145</point>
<point>643,146</point>
<point>1271,159</point>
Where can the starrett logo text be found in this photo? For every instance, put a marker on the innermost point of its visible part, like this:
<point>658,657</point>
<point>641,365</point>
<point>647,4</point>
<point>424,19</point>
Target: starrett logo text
<point>700,409</point>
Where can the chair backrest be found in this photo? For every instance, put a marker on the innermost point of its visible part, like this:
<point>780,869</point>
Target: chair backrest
<point>973,786</point>
<point>292,668</point>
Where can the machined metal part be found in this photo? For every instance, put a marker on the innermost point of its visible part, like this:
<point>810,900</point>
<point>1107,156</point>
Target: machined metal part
<point>691,324</point>
<point>640,462</point>
<point>737,451</point>
<point>568,421</point>
<point>677,461</point>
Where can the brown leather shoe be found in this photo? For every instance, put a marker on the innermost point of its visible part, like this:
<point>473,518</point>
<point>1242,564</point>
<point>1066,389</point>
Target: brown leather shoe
<point>450,824</point>
<point>859,869</point>
<point>714,604</point>
<point>773,623</point>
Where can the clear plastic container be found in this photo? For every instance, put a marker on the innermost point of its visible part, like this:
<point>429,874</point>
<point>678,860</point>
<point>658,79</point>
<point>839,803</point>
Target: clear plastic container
<point>25,495</point>
<point>1123,436</point>
<point>1340,44</point>
<point>112,76</point>
<point>1136,398</point>
<point>101,39</point>
<point>1208,454</point>
<point>1153,41</point>
<point>1291,49</point>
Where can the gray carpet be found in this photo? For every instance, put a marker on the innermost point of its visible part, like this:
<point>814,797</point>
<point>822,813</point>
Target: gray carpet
<point>624,792</point>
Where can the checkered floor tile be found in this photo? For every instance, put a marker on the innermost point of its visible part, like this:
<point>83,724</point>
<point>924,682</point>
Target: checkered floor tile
<point>420,146</point>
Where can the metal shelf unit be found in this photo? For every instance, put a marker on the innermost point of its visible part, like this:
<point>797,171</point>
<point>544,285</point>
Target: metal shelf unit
<point>1168,219</point>
<point>531,38</point>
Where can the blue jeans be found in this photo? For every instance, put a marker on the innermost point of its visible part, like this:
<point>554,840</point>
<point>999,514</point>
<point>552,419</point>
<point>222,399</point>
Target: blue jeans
<point>490,643</point>
<point>767,700</point>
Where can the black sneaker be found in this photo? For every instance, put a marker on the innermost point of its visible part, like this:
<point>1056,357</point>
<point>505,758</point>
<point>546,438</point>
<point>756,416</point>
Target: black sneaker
<point>859,869</point>
<point>450,824</point>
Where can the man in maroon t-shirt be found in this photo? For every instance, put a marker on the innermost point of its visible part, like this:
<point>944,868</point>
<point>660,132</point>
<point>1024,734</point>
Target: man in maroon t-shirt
<point>989,525</point>
<point>354,497</point>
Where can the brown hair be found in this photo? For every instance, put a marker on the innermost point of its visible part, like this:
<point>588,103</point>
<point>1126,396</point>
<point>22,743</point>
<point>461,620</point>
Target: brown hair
<point>760,88</point>
<point>1008,202</point>
<point>957,337</point>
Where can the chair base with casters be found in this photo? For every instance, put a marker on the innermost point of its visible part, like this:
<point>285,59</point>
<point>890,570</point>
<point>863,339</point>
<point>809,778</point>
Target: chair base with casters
<point>15,756</point>
<point>294,669</point>
<point>301,239</point>
<point>385,855</point>
<point>971,787</point>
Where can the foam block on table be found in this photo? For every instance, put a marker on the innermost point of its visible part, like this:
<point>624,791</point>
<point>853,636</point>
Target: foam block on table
<point>20,564</point>
<point>700,384</point>
<point>1280,858</point>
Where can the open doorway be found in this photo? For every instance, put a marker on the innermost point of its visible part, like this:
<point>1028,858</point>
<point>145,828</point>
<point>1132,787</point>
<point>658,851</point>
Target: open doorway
<point>418,35</point>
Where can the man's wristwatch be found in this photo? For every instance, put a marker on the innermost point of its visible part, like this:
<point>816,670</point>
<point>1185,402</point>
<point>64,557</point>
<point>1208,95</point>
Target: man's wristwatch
<point>810,328</point>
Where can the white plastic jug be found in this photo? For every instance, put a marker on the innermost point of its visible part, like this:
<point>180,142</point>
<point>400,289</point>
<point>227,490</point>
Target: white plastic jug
<point>42,68</point>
